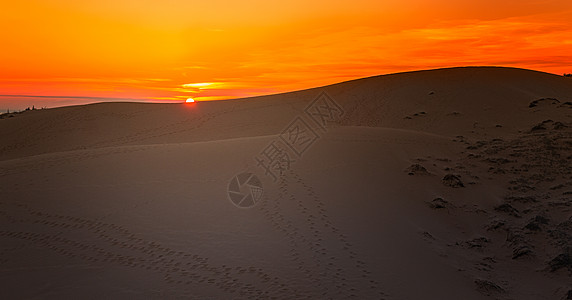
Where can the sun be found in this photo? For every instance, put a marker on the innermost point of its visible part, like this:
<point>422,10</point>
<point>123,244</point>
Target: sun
<point>190,100</point>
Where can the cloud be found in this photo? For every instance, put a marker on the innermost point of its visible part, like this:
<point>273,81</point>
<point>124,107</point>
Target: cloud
<point>322,46</point>
<point>74,97</point>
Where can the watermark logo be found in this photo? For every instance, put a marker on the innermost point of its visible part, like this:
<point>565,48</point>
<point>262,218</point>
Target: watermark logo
<point>274,159</point>
<point>244,190</point>
<point>324,110</point>
<point>278,156</point>
<point>299,136</point>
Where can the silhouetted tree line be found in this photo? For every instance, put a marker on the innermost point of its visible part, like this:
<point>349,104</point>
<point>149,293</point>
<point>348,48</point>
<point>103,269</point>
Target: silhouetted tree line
<point>9,114</point>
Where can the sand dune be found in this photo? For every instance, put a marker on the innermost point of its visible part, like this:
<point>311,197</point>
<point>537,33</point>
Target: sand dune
<point>445,101</point>
<point>441,184</point>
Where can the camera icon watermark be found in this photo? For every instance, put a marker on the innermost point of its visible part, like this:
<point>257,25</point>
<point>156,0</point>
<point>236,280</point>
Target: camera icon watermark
<point>245,190</point>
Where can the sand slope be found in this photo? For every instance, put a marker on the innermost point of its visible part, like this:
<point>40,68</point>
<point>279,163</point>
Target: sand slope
<point>445,101</point>
<point>131,200</point>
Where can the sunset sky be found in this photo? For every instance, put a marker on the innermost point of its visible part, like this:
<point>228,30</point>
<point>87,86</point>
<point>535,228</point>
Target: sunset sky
<point>62,52</point>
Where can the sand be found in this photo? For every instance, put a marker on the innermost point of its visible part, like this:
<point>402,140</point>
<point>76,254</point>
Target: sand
<point>441,184</point>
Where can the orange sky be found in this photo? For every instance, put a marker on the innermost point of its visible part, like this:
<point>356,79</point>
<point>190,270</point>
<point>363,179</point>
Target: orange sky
<point>65,52</point>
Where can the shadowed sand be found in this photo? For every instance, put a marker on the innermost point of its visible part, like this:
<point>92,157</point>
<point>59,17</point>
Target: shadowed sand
<point>442,184</point>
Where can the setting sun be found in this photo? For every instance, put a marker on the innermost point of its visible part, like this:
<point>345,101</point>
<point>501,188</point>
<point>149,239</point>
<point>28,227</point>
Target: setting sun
<point>189,100</point>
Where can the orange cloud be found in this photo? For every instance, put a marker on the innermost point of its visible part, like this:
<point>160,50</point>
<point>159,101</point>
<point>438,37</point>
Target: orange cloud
<point>170,50</point>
